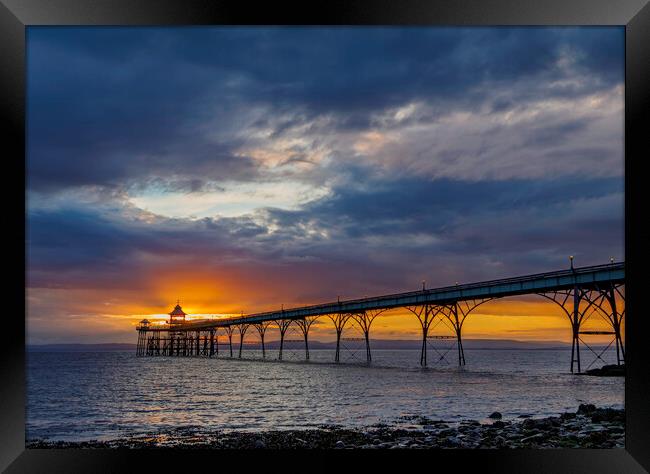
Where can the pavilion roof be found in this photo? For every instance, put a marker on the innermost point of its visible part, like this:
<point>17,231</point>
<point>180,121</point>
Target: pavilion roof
<point>177,311</point>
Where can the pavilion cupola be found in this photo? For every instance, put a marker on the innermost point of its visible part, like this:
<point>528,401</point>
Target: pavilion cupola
<point>177,316</point>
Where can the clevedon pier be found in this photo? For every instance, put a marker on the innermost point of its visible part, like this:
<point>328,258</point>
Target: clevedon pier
<point>582,293</point>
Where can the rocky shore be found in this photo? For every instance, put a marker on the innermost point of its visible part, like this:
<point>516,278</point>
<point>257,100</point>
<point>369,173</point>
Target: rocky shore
<point>589,427</point>
<point>608,371</point>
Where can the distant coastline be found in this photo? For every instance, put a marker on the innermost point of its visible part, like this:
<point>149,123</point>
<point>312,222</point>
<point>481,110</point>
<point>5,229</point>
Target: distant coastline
<point>377,344</point>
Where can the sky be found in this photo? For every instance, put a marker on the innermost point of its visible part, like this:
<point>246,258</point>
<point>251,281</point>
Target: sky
<point>241,169</point>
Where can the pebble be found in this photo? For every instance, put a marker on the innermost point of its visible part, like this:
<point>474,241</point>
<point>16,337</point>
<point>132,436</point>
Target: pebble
<point>535,436</point>
<point>589,428</point>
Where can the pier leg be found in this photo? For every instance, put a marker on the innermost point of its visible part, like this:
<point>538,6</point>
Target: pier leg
<point>562,299</point>
<point>304,325</point>
<point>423,350</point>
<point>242,332</point>
<point>365,320</point>
<point>593,296</point>
<point>616,318</point>
<point>229,331</point>
<point>339,320</point>
<point>261,329</point>
<point>283,325</point>
<point>368,354</point>
<point>461,352</point>
<point>424,314</point>
<point>456,313</point>
<point>338,346</point>
<point>457,327</point>
<point>211,342</point>
<point>600,300</point>
<point>576,328</point>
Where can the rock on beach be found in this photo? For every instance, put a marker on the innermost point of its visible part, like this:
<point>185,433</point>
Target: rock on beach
<point>588,427</point>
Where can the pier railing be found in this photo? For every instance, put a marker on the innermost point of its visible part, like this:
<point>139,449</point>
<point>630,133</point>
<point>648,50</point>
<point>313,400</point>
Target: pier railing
<point>548,281</point>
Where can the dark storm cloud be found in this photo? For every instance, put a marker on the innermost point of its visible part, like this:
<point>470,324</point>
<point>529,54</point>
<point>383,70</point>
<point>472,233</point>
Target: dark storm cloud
<point>119,106</point>
<point>423,200</point>
<point>117,110</point>
<point>466,220</point>
<point>385,233</point>
<point>84,245</point>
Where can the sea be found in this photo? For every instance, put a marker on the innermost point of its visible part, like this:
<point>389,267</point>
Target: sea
<point>81,396</point>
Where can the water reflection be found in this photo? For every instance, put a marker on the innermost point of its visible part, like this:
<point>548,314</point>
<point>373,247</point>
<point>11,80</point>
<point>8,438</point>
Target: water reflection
<point>75,396</point>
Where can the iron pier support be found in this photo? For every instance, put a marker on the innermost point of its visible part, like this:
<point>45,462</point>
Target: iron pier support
<point>211,343</point>
<point>229,332</point>
<point>304,325</point>
<point>261,329</point>
<point>283,325</point>
<point>242,332</point>
<point>424,314</point>
<point>587,300</point>
<point>339,320</point>
<point>365,320</point>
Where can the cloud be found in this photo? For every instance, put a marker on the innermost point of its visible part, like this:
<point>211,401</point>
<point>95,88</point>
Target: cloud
<point>120,107</point>
<point>394,229</point>
<point>252,167</point>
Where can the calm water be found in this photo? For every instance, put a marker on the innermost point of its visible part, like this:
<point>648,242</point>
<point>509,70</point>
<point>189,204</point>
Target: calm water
<point>82,396</point>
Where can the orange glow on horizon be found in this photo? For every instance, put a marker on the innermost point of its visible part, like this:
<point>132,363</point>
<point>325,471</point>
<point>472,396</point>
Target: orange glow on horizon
<point>114,320</point>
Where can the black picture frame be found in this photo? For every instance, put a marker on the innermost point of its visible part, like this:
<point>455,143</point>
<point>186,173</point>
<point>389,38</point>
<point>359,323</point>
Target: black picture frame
<point>16,15</point>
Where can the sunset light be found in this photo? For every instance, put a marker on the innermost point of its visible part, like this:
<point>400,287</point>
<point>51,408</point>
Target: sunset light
<point>251,237</point>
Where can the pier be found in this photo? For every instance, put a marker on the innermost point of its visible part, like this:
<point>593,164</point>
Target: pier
<point>580,292</point>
